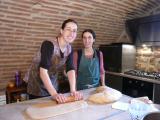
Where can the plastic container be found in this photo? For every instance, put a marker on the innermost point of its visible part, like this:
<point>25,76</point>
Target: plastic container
<point>138,110</point>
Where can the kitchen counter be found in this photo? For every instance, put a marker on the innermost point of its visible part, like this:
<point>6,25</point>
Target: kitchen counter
<point>134,77</point>
<point>134,86</point>
<point>16,111</point>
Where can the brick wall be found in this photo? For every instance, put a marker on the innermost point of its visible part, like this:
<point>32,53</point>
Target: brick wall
<point>24,24</point>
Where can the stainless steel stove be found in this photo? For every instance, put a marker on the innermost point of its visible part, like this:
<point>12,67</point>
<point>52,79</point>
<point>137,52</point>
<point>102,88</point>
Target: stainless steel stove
<point>139,73</point>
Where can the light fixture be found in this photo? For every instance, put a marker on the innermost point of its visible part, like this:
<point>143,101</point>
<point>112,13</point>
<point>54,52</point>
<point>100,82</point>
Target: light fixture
<point>144,45</point>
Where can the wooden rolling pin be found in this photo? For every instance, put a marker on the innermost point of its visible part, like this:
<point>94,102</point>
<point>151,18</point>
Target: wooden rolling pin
<point>70,99</point>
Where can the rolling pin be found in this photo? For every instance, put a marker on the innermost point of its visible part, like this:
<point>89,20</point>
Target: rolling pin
<point>70,99</point>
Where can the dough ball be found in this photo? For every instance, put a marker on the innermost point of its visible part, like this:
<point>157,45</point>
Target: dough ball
<point>105,96</point>
<point>101,89</point>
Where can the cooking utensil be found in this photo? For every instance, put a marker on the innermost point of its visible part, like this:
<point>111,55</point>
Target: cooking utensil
<point>70,99</point>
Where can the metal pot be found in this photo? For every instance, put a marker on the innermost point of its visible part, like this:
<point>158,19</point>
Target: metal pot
<point>152,116</point>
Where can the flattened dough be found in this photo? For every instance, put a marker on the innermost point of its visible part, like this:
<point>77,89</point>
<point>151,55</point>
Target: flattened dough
<point>101,89</point>
<point>36,112</point>
<point>107,96</point>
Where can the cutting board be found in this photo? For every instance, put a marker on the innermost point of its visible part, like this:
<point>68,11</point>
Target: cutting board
<point>51,109</point>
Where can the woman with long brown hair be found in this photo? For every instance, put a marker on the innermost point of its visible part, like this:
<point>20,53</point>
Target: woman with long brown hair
<point>53,55</point>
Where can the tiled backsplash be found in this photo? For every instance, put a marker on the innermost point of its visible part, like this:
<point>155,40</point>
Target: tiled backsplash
<point>148,59</point>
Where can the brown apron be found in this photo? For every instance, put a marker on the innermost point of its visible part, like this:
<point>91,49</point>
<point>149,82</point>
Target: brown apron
<point>35,84</point>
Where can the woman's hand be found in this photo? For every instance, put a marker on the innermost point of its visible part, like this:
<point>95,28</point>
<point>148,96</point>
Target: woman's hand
<point>77,95</point>
<point>60,98</point>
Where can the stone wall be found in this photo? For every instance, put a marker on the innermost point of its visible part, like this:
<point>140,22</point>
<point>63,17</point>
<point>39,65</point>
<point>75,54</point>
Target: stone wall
<point>148,59</point>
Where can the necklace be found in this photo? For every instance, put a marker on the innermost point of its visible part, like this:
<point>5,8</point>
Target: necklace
<point>88,52</point>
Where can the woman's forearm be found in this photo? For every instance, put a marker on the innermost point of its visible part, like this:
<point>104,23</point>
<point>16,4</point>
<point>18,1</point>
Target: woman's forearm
<point>103,79</point>
<point>72,80</point>
<point>47,82</point>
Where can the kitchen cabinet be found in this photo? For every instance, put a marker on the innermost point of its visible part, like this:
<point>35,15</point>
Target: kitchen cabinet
<point>118,57</point>
<point>134,86</point>
<point>114,81</point>
<point>156,93</point>
<point>137,88</point>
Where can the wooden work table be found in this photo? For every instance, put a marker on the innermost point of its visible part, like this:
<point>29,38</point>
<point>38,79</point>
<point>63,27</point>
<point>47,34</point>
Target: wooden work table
<point>15,111</point>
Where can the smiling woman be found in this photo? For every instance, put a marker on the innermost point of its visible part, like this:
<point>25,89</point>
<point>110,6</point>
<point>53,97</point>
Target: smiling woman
<point>54,54</point>
<point>89,63</point>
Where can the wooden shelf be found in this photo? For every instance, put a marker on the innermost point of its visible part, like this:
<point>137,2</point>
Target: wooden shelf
<point>14,94</point>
